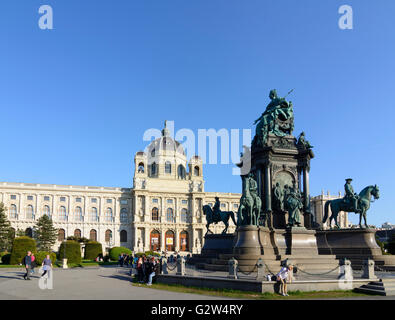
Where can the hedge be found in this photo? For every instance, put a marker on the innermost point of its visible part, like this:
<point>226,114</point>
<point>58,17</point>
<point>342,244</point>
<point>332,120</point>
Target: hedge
<point>148,253</point>
<point>20,247</point>
<point>5,257</point>
<point>116,251</point>
<point>41,255</point>
<point>71,250</point>
<point>92,250</point>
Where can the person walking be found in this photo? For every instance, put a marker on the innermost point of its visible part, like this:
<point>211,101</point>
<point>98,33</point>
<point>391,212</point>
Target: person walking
<point>27,262</point>
<point>33,262</point>
<point>283,277</point>
<point>47,265</point>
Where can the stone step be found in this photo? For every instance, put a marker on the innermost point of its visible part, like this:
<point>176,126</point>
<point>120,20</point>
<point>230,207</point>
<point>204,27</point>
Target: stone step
<point>370,291</point>
<point>384,287</point>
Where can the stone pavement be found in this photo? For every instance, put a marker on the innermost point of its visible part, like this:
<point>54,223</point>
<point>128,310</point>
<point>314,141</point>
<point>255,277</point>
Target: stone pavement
<point>108,283</point>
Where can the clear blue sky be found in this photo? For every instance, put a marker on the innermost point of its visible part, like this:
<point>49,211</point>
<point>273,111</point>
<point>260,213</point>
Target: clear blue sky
<point>77,99</point>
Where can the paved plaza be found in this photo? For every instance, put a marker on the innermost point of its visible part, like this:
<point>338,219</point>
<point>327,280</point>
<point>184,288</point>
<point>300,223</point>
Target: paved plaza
<point>109,283</point>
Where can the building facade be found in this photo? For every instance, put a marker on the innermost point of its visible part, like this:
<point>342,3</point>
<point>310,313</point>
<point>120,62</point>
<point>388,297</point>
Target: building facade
<point>161,212</point>
<point>318,210</point>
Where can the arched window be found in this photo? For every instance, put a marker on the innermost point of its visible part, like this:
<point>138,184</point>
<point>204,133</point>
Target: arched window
<point>181,172</point>
<point>155,240</point>
<point>78,214</point>
<point>108,236</point>
<point>29,212</point>
<point>184,215</point>
<point>184,241</point>
<point>47,211</point>
<point>169,215</point>
<point>93,235</point>
<point>93,214</point>
<point>153,169</point>
<point>13,211</point>
<point>124,215</point>
<point>29,232</point>
<point>169,240</point>
<point>123,236</point>
<point>62,213</point>
<point>155,214</point>
<point>77,233</point>
<point>168,167</point>
<point>61,234</point>
<point>109,215</point>
<point>140,168</point>
<point>196,171</point>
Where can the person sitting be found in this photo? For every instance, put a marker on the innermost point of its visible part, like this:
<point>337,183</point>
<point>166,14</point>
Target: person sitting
<point>153,269</point>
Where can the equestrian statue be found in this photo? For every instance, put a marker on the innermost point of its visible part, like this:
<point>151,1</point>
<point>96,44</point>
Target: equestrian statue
<point>215,215</point>
<point>250,202</point>
<point>352,202</point>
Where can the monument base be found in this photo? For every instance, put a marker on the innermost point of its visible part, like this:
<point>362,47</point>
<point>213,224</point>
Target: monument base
<point>356,245</point>
<point>273,246</point>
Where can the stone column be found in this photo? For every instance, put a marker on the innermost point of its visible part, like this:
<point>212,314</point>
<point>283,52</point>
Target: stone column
<point>146,244</point>
<point>306,188</point>
<point>162,240</point>
<point>259,181</point>
<point>268,189</point>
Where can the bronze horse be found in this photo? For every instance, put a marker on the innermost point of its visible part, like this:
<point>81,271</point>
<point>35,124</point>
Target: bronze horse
<point>211,218</point>
<point>338,205</point>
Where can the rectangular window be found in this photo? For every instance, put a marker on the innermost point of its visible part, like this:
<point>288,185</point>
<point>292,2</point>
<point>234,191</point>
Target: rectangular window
<point>13,197</point>
<point>184,201</point>
<point>29,197</point>
<point>62,199</point>
<point>94,200</point>
<point>77,199</point>
<point>154,200</point>
<point>235,205</point>
<point>169,200</point>
<point>124,201</point>
<point>223,205</point>
<point>109,200</point>
<point>46,198</point>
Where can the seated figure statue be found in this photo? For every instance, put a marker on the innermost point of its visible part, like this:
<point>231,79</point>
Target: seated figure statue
<point>277,119</point>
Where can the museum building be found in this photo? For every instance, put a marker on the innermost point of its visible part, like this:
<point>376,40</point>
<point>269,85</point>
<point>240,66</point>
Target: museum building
<point>162,212</point>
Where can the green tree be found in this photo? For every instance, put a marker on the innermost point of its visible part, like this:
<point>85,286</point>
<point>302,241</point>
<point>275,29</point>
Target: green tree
<point>46,234</point>
<point>5,230</point>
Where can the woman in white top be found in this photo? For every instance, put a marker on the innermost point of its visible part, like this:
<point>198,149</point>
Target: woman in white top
<point>282,277</point>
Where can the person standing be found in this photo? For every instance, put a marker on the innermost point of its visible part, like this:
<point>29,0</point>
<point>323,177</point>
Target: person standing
<point>27,262</point>
<point>47,265</point>
<point>139,267</point>
<point>283,278</point>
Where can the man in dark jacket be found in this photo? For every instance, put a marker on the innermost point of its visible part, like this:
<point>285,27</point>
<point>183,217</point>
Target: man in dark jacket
<point>27,262</point>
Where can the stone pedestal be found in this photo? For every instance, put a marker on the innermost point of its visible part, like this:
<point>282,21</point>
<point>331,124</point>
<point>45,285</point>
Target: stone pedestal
<point>218,243</point>
<point>247,242</point>
<point>354,244</point>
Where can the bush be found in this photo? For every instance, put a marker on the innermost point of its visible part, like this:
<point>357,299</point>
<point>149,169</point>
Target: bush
<point>41,255</point>
<point>152,253</point>
<point>5,258</point>
<point>71,250</point>
<point>92,250</point>
<point>116,251</point>
<point>20,247</point>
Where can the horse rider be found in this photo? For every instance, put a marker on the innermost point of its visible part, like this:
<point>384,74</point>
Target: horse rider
<point>216,210</point>
<point>351,197</point>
